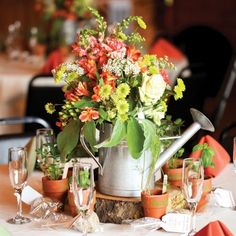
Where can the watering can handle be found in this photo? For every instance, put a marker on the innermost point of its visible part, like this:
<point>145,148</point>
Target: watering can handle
<point>82,141</point>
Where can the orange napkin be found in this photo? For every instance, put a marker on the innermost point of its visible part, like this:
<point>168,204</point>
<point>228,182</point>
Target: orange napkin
<point>215,228</point>
<point>163,48</point>
<point>220,159</point>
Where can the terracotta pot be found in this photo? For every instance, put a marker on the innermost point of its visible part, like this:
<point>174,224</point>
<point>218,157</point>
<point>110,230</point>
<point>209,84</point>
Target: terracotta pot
<point>207,187</point>
<point>174,175</point>
<point>154,205</point>
<point>72,205</point>
<point>55,189</point>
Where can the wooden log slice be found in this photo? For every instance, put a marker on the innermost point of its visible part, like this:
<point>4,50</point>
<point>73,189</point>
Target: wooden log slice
<point>111,209</point>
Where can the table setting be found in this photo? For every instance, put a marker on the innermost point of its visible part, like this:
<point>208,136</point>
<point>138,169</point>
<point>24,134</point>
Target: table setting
<point>106,172</point>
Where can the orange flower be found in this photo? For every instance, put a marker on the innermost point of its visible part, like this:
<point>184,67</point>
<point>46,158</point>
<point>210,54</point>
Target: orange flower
<point>89,66</point>
<point>133,53</point>
<point>69,95</point>
<point>108,79</point>
<point>82,89</point>
<point>96,97</point>
<point>89,114</point>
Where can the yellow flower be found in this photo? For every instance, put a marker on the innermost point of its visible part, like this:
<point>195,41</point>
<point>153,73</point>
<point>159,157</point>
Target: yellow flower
<point>123,117</point>
<point>123,90</point>
<point>111,114</point>
<point>105,91</point>
<point>122,106</point>
<point>60,73</point>
<point>179,89</point>
<point>50,108</point>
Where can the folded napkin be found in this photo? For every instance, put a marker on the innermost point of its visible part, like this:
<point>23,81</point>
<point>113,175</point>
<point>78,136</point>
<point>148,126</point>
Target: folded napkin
<point>220,159</point>
<point>215,228</point>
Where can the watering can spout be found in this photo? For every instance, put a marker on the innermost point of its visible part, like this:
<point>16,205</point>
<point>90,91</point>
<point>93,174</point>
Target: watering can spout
<point>82,141</point>
<point>200,122</point>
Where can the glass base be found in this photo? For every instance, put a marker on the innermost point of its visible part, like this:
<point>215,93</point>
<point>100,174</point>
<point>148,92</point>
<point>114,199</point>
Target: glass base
<point>18,220</point>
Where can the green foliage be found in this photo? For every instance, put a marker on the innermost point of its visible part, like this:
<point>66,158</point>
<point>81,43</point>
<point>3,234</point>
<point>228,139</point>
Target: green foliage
<point>89,130</point>
<point>207,154</point>
<point>68,138</point>
<point>54,171</point>
<point>135,138</point>
<point>173,163</point>
<point>83,179</point>
<point>118,133</point>
<point>51,161</point>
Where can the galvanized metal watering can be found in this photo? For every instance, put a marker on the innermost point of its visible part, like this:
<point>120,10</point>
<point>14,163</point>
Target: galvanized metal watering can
<point>122,175</point>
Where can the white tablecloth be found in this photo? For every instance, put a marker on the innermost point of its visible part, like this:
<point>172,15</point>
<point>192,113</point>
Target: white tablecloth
<point>226,179</point>
<point>14,80</point>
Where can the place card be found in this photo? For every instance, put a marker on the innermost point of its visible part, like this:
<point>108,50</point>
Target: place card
<point>171,222</point>
<point>29,195</point>
<point>176,222</point>
<point>223,198</point>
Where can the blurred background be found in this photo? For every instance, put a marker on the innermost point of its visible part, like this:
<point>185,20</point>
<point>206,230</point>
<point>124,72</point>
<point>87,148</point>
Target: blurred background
<point>198,36</point>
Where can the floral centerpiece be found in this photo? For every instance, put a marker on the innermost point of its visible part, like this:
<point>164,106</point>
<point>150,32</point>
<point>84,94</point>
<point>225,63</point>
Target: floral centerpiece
<point>60,19</point>
<point>112,81</point>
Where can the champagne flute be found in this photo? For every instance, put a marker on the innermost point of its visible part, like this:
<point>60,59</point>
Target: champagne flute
<point>192,178</point>
<point>44,137</point>
<point>83,190</point>
<point>17,163</point>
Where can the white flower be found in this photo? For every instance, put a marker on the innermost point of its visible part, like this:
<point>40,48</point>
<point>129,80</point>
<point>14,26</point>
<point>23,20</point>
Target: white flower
<point>152,88</point>
<point>158,116</point>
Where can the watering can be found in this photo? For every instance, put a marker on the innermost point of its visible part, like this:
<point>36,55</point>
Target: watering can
<point>122,175</point>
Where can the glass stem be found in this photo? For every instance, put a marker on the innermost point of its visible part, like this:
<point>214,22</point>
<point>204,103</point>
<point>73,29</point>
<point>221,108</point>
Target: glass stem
<point>193,207</point>
<point>19,203</point>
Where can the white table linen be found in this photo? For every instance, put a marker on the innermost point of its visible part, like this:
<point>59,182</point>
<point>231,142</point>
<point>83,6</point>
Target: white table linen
<point>14,79</point>
<point>226,179</point>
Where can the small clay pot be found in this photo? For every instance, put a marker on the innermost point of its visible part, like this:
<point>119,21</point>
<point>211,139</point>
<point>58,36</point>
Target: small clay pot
<point>207,187</point>
<point>72,205</point>
<point>55,189</point>
<point>154,204</point>
<point>174,175</point>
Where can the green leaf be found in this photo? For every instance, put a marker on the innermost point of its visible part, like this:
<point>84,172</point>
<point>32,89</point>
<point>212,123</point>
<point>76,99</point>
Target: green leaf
<point>89,130</point>
<point>141,23</point>
<point>122,36</point>
<point>135,138</point>
<point>102,113</point>
<point>152,141</point>
<point>118,133</point>
<point>68,138</point>
<point>85,102</point>
<point>197,147</point>
<point>149,130</point>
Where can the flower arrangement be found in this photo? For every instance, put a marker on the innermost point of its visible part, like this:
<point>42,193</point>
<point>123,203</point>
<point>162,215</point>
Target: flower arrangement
<point>55,13</point>
<point>112,81</point>
<point>67,9</point>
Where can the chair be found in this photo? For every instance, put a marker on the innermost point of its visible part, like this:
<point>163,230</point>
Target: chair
<point>226,138</point>
<point>209,49</point>
<point>41,90</point>
<point>17,140</point>
<point>225,92</point>
<point>201,44</point>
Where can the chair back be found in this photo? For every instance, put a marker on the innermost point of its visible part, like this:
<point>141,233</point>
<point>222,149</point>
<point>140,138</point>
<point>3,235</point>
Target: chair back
<point>43,89</point>
<point>17,140</point>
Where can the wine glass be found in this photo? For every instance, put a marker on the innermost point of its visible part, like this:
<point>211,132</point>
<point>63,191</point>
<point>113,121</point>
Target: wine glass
<point>192,178</point>
<point>44,137</point>
<point>83,190</point>
<point>18,172</point>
